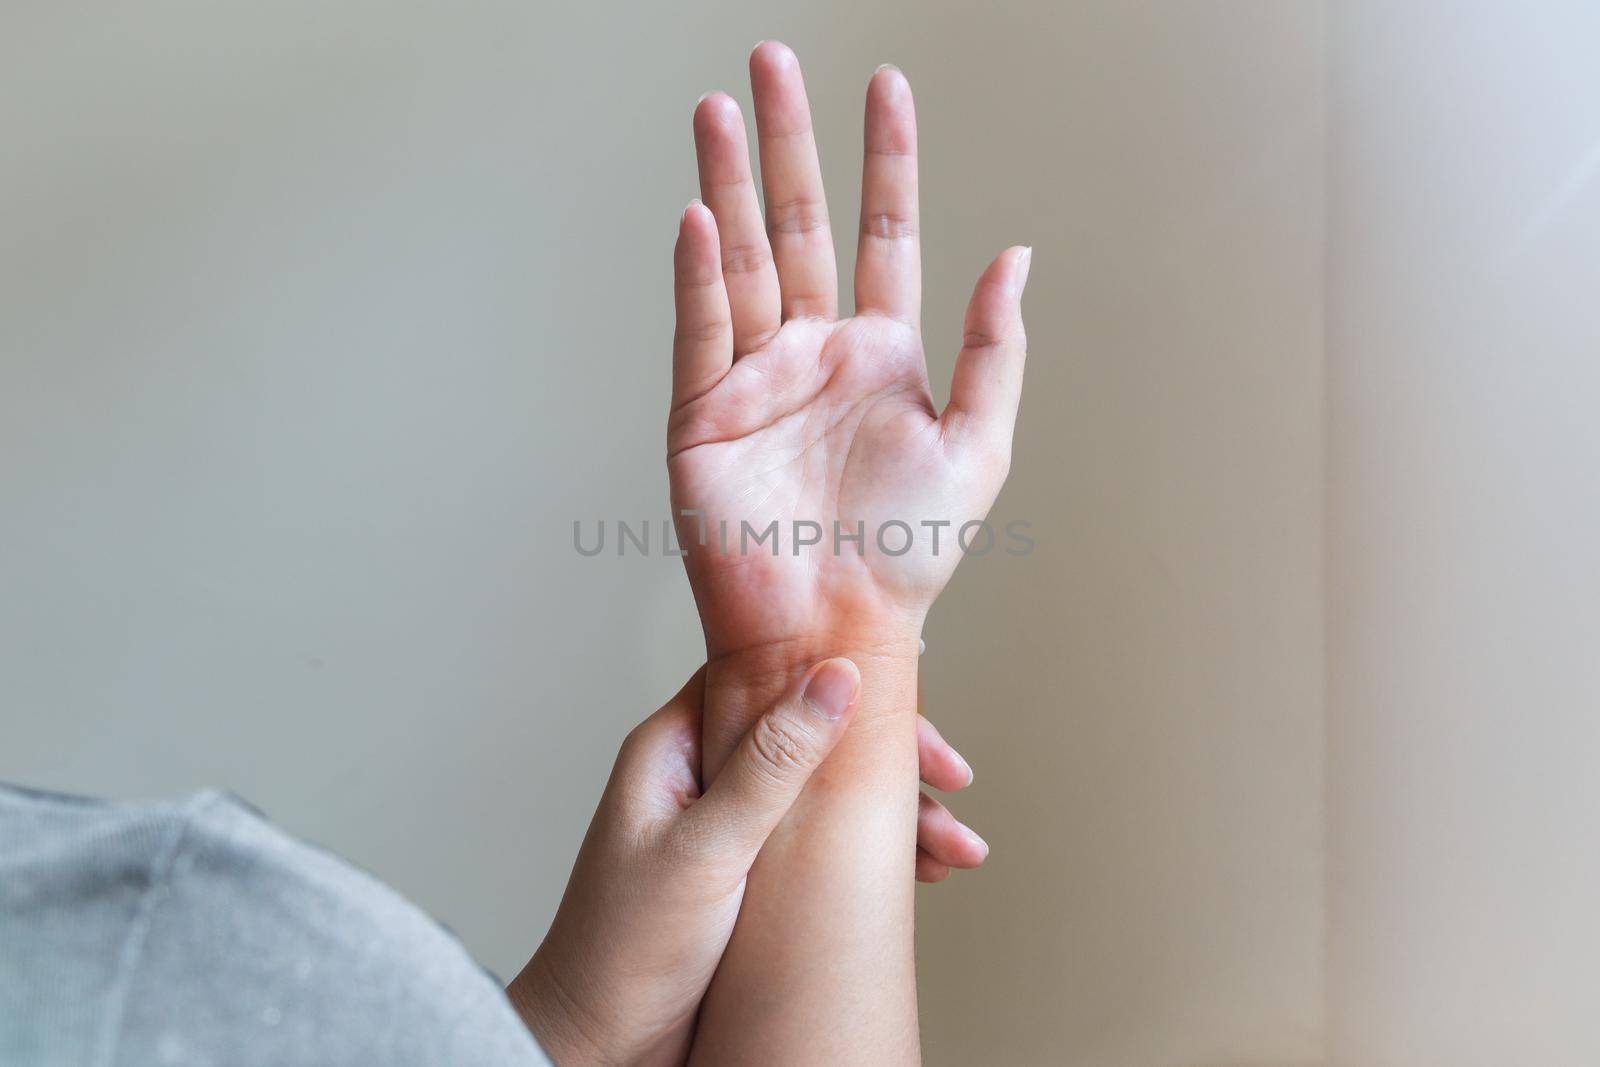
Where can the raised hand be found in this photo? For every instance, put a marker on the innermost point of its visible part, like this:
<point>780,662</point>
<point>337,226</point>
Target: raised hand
<point>782,411</point>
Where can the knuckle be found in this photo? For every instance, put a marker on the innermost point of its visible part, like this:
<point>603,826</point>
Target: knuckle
<point>745,258</point>
<point>692,277</point>
<point>1008,336</point>
<point>802,215</point>
<point>896,148</point>
<point>889,226</point>
<point>780,746</point>
<point>713,329</point>
<point>981,340</point>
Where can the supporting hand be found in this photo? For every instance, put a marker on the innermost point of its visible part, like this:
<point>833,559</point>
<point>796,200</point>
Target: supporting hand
<point>657,885</point>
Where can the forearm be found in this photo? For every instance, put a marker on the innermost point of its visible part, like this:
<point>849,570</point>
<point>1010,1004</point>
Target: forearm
<point>820,967</point>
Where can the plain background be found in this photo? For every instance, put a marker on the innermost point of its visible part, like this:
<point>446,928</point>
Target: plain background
<point>1463,614</point>
<point>321,324</point>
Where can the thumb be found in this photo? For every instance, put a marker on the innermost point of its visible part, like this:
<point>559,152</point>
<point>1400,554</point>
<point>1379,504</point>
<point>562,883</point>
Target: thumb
<point>764,776</point>
<point>988,381</point>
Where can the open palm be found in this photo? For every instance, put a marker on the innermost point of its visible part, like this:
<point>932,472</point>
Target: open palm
<point>821,491</point>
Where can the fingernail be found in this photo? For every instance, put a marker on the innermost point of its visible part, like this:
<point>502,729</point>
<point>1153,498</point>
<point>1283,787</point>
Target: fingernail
<point>922,647</point>
<point>887,66</point>
<point>833,688</point>
<point>758,44</point>
<point>690,206</point>
<point>703,96</point>
<point>1024,264</point>
<point>975,839</point>
<point>964,764</point>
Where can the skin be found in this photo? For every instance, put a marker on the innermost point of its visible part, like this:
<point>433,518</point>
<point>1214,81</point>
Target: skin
<point>783,410</point>
<point>767,916</point>
<point>658,883</point>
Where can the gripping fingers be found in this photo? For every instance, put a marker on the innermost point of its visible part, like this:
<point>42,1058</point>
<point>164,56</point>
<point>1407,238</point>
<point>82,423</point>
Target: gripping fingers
<point>945,839</point>
<point>941,766</point>
<point>930,870</point>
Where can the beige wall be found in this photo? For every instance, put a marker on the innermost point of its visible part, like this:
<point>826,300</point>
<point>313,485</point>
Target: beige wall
<point>1464,535</point>
<point>321,323</point>
<point>1142,697</point>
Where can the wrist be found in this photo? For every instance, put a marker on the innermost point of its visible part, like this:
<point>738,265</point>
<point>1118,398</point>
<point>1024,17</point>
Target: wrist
<point>742,684</point>
<point>867,623</point>
<point>554,1013</point>
<point>787,658</point>
<point>766,624</point>
<point>763,672</point>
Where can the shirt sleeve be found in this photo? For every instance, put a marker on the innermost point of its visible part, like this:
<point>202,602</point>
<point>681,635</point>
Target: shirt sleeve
<point>197,933</point>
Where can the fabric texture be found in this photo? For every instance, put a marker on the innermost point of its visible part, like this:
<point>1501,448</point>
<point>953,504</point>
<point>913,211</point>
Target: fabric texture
<point>196,933</point>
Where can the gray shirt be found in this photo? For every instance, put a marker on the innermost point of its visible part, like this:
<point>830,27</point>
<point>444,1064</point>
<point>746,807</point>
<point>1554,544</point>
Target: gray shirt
<point>194,932</point>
